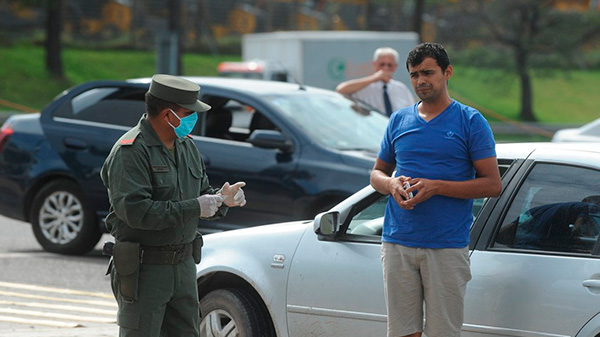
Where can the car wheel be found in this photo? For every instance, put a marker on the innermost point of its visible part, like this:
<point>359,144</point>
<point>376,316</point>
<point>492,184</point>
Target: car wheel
<point>233,312</point>
<point>61,221</point>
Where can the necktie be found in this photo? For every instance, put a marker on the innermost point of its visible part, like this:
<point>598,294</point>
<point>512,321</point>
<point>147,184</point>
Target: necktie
<point>386,101</point>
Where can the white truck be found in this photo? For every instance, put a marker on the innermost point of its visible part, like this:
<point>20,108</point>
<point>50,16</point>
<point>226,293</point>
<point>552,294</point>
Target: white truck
<point>317,58</point>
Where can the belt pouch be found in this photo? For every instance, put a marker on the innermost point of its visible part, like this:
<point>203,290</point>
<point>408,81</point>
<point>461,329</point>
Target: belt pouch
<point>127,264</point>
<point>197,248</point>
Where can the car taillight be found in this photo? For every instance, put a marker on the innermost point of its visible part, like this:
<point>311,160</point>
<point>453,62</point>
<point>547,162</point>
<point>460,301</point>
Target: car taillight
<point>5,132</point>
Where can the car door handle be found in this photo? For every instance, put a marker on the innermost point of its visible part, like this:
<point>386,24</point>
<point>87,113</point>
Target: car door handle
<point>591,283</point>
<point>75,143</point>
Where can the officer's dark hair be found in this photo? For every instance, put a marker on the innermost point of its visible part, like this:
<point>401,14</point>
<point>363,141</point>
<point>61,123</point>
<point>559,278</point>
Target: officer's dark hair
<point>155,105</point>
<point>428,49</point>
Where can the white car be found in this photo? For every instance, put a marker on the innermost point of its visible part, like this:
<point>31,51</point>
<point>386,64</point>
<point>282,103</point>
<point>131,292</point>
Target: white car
<point>323,277</point>
<point>589,132</point>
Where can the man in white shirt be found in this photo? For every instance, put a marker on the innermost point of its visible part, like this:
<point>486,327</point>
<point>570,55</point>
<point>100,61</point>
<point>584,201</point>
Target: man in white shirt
<point>374,88</point>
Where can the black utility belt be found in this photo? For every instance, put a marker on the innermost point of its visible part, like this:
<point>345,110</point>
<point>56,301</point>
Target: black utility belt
<point>129,255</point>
<point>165,255</point>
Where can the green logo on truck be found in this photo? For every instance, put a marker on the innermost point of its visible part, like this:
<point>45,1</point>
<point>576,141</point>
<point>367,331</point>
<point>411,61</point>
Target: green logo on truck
<point>336,68</point>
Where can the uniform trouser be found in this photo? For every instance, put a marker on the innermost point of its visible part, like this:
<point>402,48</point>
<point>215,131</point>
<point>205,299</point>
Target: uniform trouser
<point>167,302</point>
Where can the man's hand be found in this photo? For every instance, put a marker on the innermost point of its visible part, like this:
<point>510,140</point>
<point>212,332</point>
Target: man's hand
<point>209,204</point>
<point>233,194</point>
<point>396,188</point>
<point>426,188</point>
<point>382,75</point>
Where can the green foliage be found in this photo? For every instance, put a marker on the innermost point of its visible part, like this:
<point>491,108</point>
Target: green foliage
<point>497,57</point>
<point>26,82</point>
<point>483,57</point>
<point>592,59</point>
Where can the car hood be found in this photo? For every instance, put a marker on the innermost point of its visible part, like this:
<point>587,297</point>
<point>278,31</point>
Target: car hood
<point>359,158</point>
<point>241,251</point>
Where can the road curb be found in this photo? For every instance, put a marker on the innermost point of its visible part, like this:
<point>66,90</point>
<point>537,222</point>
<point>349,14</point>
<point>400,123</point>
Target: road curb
<point>93,331</point>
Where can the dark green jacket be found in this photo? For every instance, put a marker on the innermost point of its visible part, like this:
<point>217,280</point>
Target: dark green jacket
<point>152,192</point>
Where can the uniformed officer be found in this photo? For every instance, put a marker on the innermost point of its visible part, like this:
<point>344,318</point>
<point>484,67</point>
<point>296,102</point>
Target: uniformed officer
<point>158,188</point>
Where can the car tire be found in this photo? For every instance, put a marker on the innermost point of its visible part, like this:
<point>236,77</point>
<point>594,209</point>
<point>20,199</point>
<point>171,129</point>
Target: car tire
<point>61,220</point>
<point>227,311</point>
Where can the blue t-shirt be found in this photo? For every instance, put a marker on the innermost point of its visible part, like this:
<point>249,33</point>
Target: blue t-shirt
<point>442,149</point>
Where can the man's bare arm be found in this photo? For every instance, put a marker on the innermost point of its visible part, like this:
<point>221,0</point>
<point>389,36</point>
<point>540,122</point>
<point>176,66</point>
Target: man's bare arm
<point>487,183</point>
<point>351,86</point>
<point>384,183</point>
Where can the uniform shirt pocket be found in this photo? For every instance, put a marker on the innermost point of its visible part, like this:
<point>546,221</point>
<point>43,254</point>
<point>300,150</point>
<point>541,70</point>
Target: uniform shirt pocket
<point>195,172</point>
<point>195,182</point>
<point>161,180</point>
<point>162,186</point>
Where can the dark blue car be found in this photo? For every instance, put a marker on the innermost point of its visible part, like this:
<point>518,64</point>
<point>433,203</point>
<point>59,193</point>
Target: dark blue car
<point>299,149</point>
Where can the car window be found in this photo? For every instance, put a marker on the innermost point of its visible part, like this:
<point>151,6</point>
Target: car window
<point>369,221</point>
<point>231,119</point>
<point>556,209</point>
<point>118,106</point>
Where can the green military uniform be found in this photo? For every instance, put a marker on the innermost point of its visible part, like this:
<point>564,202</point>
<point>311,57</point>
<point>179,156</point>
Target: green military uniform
<point>153,195</point>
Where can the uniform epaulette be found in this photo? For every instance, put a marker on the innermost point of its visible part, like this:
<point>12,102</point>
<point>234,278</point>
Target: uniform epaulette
<point>129,137</point>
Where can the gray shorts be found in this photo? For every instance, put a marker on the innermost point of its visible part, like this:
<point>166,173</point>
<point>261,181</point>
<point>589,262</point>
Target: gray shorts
<point>436,277</point>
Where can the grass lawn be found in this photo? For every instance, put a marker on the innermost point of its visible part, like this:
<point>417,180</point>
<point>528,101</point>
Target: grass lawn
<point>24,79</point>
<point>569,97</point>
<point>559,96</point>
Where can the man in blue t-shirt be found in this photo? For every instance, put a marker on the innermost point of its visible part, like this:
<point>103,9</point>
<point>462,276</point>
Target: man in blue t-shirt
<point>446,152</point>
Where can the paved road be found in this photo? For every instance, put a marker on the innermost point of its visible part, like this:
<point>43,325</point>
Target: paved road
<point>44,294</point>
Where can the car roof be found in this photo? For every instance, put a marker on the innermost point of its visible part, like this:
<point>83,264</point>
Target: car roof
<point>249,86</point>
<point>523,150</point>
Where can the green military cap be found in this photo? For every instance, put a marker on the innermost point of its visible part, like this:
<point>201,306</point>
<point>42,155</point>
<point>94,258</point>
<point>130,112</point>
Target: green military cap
<point>177,90</point>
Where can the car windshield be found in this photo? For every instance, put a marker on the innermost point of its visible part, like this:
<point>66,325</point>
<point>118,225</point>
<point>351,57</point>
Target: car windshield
<point>592,128</point>
<point>334,120</point>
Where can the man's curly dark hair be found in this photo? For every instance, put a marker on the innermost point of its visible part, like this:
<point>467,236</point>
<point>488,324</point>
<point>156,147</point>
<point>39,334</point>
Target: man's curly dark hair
<point>428,49</point>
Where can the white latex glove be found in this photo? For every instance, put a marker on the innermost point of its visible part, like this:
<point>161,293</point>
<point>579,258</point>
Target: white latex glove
<point>209,204</point>
<point>234,195</point>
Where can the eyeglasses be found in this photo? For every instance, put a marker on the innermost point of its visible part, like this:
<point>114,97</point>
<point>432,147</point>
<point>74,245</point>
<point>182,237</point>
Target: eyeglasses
<point>391,65</point>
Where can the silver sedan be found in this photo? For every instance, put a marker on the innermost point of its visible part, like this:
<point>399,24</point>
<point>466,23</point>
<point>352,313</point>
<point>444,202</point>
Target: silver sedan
<point>535,261</point>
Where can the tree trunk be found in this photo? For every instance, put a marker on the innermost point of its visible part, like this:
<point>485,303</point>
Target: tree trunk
<point>270,13</point>
<point>135,19</point>
<point>292,19</point>
<point>175,28</point>
<point>53,46</point>
<point>418,19</point>
<point>526,92</point>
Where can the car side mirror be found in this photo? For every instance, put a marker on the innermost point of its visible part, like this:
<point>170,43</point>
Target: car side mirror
<point>327,224</point>
<point>270,139</point>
